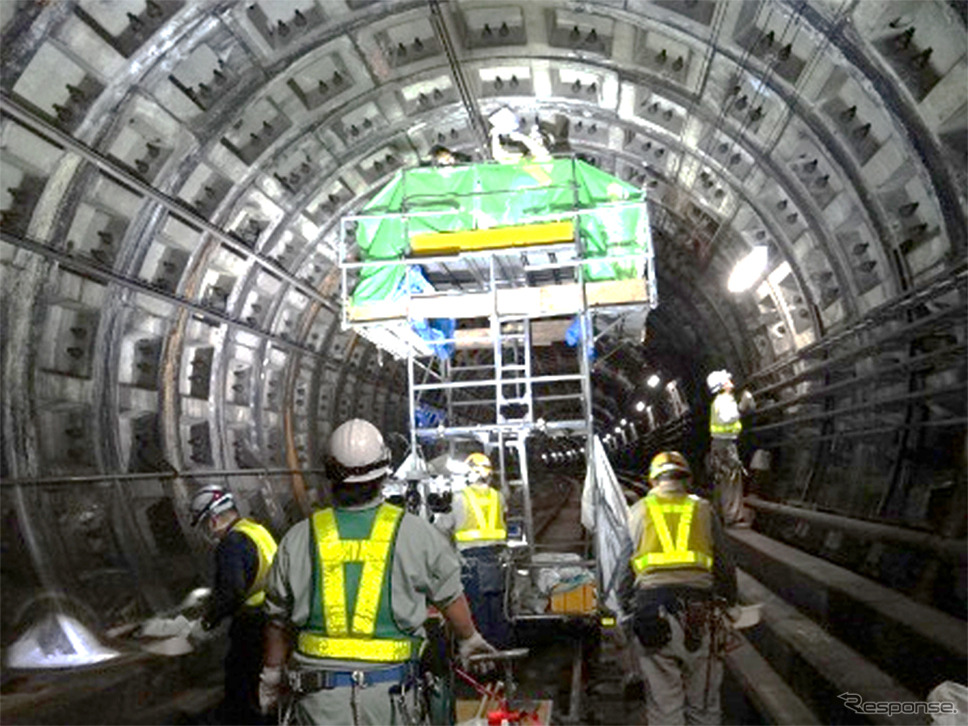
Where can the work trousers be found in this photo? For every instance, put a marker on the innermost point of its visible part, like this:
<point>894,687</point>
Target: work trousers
<point>726,473</point>
<point>243,663</point>
<point>682,687</point>
<point>334,707</point>
<point>483,577</point>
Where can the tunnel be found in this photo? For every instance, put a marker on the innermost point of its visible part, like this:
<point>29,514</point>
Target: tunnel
<point>175,178</point>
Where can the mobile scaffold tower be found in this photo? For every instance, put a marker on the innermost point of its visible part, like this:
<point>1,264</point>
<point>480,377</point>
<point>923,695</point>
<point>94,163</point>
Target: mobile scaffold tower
<point>490,279</point>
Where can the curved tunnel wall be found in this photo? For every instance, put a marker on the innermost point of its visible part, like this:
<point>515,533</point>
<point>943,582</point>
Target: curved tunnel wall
<point>173,174</point>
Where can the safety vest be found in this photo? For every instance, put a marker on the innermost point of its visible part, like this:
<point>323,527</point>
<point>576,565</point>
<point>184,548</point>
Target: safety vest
<point>724,420</point>
<point>265,545</point>
<point>350,616</point>
<point>487,523</point>
<point>657,550</point>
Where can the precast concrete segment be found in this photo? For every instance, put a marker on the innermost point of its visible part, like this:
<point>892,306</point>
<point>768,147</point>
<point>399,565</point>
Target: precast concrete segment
<point>817,665</point>
<point>919,644</point>
<point>775,699</point>
<point>174,206</point>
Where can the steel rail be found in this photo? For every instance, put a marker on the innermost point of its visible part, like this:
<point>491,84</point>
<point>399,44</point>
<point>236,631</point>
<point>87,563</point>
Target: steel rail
<point>536,380</point>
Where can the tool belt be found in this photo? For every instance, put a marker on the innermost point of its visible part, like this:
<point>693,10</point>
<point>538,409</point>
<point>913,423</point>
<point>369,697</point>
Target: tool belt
<point>306,680</point>
<point>690,606</point>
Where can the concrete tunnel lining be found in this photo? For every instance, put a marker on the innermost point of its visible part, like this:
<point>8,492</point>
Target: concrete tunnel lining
<point>235,287</point>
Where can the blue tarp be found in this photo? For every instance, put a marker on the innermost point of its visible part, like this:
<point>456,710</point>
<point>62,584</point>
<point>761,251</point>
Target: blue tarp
<point>430,329</point>
<point>573,335</point>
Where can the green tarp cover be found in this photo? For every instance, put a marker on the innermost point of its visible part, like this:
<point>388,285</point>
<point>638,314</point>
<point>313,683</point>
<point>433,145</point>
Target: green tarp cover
<point>488,195</point>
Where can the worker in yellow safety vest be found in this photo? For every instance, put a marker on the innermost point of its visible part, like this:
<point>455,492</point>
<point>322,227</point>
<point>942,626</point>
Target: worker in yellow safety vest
<point>348,595</point>
<point>680,567</point>
<point>723,463</point>
<point>243,554</point>
<point>478,528</point>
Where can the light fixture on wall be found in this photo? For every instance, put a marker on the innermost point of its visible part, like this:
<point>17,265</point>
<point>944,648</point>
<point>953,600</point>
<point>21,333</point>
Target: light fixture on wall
<point>748,270</point>
<point>653,381</point>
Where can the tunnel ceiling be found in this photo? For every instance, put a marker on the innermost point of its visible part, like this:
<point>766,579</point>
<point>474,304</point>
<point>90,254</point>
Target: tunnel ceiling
<point>174,172</point>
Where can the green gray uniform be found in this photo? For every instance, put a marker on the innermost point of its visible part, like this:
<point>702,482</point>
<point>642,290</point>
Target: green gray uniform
<point>423,569</point>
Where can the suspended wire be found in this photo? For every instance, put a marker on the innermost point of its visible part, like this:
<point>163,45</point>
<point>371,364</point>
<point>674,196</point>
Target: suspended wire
<point>760,90</point>
<point>717,125</point>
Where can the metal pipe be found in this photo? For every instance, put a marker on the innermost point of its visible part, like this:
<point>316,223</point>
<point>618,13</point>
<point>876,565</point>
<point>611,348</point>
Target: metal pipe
<point>468,255</point>
<point>859,352</point>
<point>877,315</point>
<point>468,99</point>
<point>175,206</point>
<point>943,546</point>
<point>854,382</point>
<point>104,274</point>
<point>148,476</point>
<point>799,441</point>
<point>480,383</point>
<point>909,398</point>
<point>573,425</point>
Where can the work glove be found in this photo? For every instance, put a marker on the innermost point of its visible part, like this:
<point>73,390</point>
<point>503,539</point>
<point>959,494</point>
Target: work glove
<point>747,404</point>
<point>475,645</point>
<point>270,688</point>
<point>161,627</point>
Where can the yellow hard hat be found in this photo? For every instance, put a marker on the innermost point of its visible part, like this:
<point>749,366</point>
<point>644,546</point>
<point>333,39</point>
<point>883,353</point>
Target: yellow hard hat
<point>668,462</point>
<point>479,464</point>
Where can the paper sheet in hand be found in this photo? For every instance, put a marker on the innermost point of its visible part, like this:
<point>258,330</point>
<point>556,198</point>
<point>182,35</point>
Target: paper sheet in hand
<point>745,616</point>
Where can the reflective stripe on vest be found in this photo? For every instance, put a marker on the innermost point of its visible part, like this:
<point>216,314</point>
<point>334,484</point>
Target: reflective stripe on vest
<point>674,554</point>
<point>732,429</point>
<point>265,545</point>
<point>488,521</point>
<point>356,640</point>
<point>717,427</point>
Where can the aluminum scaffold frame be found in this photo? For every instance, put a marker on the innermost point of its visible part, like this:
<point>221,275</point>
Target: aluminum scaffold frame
<point>509,302</point>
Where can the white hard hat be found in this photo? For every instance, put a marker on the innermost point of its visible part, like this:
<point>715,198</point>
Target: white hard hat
<point>717,379</point>
<point>357,452</point>
<point>209,501</point>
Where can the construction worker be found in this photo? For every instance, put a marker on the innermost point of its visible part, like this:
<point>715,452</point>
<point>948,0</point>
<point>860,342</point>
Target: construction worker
<point>442,156</point>
<point>723,463</point>
<point>681,568</point>
<point>243,554</point>
<point>480,533</point>
<point>348,595</point>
